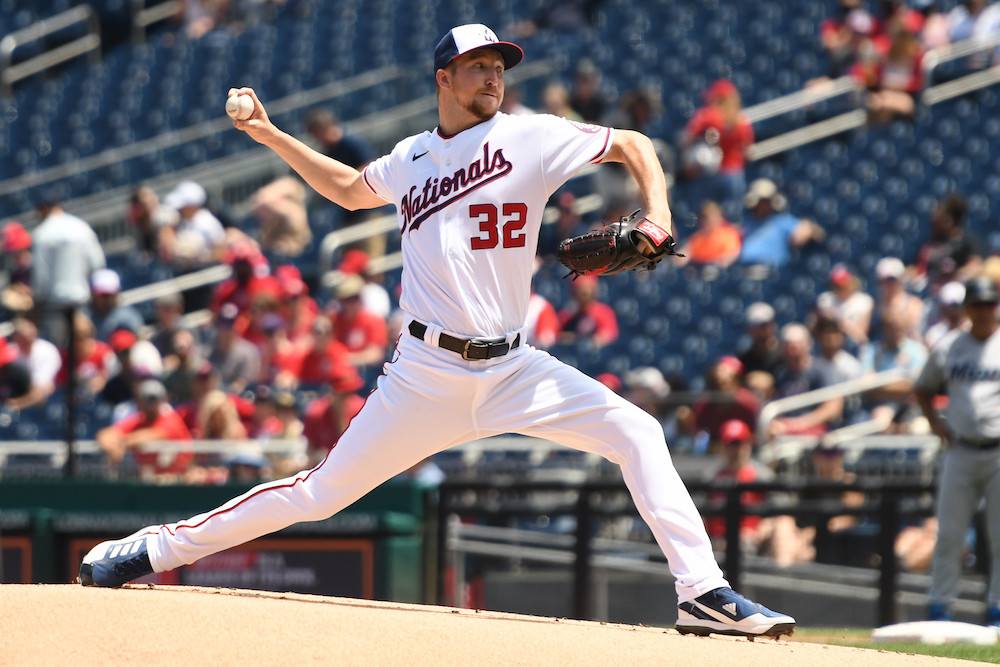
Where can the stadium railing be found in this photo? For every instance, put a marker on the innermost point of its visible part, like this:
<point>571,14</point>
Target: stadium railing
<point>145,15</point>
<point>975,48</point>
<point>846,86</point>
<point>854,437</point>
<point>88,43</point>
<point>56,453</point>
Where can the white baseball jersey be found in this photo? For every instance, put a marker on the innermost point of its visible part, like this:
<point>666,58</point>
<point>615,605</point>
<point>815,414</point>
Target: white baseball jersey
<point>470,208</point>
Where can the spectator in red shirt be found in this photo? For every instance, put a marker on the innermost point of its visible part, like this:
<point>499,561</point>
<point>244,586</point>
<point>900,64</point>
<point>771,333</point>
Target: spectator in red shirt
<point>280,358</point>
<point>96,361</point>
<point>843,35</point>
<point>542,322</point>
<point>587,318</point>
<point>738,467</point>
<point>364,333</point>
<point>16,242</point>
<point>327,417</point>
<point>722,124</point>
<point>323,355</point>
<point>249,279</point>
<point>894,77</point>
<point>727,400</point>
<point>300,309</point>
<point>205,382</point>
<point>155,421</point>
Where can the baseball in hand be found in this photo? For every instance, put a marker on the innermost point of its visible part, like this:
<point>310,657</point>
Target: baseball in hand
<point>239,107</point>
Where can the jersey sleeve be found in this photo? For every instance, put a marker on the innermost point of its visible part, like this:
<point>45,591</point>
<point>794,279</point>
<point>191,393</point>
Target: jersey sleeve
<point>568,146</point>
<point>932,376</point>
<point>380,174</point>
<point>377,177</point>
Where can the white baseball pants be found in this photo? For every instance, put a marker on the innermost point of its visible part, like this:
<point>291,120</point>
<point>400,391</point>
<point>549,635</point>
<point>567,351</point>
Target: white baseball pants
<point>430,399</point>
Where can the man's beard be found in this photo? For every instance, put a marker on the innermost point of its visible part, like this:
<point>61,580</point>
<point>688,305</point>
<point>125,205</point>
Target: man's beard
<point>481,109</point>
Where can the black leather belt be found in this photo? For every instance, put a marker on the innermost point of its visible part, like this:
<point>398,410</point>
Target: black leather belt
<point>474,348</point>
<point>985,443</point>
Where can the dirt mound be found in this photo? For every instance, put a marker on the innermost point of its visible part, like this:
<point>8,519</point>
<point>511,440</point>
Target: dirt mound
<point>170,625</point>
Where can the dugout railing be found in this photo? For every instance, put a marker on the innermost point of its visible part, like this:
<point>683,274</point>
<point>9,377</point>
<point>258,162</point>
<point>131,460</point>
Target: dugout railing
<point>471,515</point>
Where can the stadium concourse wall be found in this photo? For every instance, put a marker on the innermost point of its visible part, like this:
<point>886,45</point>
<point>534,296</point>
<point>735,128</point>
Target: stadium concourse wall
<point>373,549</point>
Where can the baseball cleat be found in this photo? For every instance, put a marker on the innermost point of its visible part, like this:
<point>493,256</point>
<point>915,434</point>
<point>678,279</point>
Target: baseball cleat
<point>726,612</point>
<point>115,562</point>
<point>938,612</point>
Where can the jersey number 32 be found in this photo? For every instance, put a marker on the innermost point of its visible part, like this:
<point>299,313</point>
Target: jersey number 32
<point>489,224</point>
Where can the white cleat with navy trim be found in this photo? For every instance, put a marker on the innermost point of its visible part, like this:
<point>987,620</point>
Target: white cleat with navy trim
<point>115,562</point>
<point>726,612</point>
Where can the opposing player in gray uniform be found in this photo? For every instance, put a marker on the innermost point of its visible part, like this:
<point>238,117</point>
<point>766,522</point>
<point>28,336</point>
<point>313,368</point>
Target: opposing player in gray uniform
<point>965,366</point>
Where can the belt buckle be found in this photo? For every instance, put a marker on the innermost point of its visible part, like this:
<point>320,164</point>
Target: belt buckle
<point>473,344</point>
<point>487,348</point>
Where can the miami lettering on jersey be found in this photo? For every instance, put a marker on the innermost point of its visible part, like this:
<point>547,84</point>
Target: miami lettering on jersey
<point>971,373</point>
<point>419,204</point>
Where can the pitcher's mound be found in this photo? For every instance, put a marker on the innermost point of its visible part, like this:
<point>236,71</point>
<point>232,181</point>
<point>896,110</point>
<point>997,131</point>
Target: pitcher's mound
<point>179,625</point>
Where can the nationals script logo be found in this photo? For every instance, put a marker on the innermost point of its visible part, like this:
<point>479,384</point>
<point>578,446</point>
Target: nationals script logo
<point>419,204</point>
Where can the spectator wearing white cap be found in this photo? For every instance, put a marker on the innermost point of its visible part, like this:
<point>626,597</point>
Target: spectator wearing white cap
<point>950,313</point>
<point>197,238</point>
<point>770,232</point>
<point>764,351</point>
<point>893,298</point>
<point>848,304</point>
<point>105,312</point>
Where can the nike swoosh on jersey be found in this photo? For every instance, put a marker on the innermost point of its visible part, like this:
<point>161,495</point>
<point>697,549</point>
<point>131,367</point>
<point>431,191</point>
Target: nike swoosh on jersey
<point>417,156</point>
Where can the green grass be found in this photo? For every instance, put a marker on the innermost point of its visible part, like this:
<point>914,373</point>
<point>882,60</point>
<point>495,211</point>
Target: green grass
<point>861,638</point>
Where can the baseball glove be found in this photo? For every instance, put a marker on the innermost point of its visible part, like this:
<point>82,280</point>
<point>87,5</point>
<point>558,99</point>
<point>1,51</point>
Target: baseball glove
<point>615,248</point>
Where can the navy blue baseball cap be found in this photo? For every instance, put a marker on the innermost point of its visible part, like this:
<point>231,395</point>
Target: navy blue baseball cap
<point>465,38</point>
<point>979,290</point>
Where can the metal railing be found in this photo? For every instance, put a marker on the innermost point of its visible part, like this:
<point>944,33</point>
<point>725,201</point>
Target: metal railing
<point>291,448</point>
<point>586,503</point>
<point>89,43</point>
<point>966,48</point>
<point>145,15</point>
<point>850,120</point>
<point>774,409</point>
